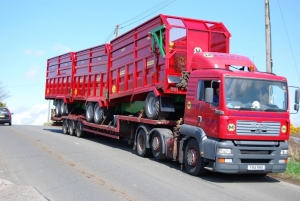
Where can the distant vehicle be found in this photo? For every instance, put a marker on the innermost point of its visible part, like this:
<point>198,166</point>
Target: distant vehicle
<point>5,116</point>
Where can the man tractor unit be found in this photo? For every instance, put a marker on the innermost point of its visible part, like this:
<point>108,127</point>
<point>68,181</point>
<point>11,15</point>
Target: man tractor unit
<point>154,86</point>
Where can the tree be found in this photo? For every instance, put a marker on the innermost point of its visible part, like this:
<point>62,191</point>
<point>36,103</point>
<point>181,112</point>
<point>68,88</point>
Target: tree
<point>294,130</point>
<point>3,93</point>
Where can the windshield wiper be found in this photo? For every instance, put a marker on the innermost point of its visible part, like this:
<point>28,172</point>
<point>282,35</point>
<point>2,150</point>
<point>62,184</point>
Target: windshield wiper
<point>273,109</point>
<point>243,108</point>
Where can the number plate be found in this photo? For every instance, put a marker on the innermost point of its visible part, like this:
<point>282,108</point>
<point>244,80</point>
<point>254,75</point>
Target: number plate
<point>256,167</point>
<point>1,116</point>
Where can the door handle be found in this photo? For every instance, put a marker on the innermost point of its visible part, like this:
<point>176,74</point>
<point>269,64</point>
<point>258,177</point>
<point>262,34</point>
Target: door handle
<point>199,119</point>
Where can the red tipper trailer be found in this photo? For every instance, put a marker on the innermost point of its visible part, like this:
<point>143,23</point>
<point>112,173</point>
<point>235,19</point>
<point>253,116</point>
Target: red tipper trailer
<point>152,56</point>
<point>172,89</point>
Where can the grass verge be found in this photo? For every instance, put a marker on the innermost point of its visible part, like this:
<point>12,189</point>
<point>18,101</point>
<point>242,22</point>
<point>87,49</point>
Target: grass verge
<point>292,173</point>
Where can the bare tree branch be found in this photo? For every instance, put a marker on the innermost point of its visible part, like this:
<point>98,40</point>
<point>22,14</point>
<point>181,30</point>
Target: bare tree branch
<point>3,93</point>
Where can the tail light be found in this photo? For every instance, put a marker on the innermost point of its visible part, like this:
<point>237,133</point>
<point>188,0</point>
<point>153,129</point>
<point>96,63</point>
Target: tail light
<point>8,114</point>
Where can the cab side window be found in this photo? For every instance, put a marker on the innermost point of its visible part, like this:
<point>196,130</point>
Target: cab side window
<point>200,91</point>
<point>202,84</point>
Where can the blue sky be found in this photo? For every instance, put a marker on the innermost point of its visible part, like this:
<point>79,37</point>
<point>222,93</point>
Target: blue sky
<point>34,30</point>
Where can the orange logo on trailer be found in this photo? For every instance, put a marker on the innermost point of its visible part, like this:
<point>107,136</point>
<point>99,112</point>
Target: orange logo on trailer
<point>181,61</point>
<point>189,105</point>
<point>75,92</point>
<point>113,89</point>
<point>47,91</point>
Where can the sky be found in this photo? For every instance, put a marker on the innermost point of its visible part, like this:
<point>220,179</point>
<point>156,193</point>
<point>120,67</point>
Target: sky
<point>33,31</point>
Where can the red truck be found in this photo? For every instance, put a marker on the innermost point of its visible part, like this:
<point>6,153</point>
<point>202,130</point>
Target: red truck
<point>172,89</point>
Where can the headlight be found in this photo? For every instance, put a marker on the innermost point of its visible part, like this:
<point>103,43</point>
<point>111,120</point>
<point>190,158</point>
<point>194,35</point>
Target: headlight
<point>224,151</point>
<point>284,152</point>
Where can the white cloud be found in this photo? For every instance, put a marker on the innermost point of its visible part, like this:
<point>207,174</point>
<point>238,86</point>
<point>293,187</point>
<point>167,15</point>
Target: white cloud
<point>35,115</point>
<point>33,52</point>
<point>61,48</point>
<point>32,72</point>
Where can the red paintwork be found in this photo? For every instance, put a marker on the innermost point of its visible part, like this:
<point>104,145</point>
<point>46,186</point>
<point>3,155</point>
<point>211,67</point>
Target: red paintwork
<point>125,70</point>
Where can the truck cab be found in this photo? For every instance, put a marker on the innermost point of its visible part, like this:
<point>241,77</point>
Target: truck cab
<point>246,130</point>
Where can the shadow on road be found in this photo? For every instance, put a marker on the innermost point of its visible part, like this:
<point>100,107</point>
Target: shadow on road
<point>54,130</point>
<point>213,177</point>
<point>237,178</point>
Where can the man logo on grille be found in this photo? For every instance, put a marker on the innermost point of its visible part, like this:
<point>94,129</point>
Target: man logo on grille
<point>231,127</point>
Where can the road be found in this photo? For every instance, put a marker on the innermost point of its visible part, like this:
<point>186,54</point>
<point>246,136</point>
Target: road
<point>62,167</point>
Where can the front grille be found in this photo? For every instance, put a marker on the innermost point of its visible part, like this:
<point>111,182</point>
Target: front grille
<point>255,161</point>
<point>257,128</point>
<point>257,152</point>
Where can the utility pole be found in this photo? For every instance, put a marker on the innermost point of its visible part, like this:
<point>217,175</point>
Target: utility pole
<point>49,111</point>
<point>117,29</point>
<point>268,38</point>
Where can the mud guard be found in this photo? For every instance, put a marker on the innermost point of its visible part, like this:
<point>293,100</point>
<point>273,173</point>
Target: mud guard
<point>206,146</point>
<point>166,134</point>
<point>147,130</point>
<point>166,104</point>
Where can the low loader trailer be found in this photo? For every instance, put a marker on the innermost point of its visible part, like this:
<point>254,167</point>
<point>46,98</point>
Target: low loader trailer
<point>172,89</point>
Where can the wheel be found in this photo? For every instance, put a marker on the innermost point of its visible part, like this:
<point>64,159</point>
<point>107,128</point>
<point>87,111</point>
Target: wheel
<point>9,123</point>
<point>156,146</point>
<point>62,108</point>
<point>57,108</point>
<point>141,144</point>
<point>66,108</point>
<point>79,132</point>
<point>98,114</point>
<point>152,107</point>
<point>65,126</point>
<point>193,162</point>
<point>71,127</point>
<point>90,112</point>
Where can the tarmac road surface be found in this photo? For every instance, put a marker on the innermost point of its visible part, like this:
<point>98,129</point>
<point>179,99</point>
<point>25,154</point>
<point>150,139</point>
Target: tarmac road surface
<point>44,164</point>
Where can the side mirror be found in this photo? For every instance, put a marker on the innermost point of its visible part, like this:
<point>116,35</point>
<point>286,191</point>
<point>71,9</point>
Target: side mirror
<point>297,96</point>
<point>209,93</point>
<point>296,107</point>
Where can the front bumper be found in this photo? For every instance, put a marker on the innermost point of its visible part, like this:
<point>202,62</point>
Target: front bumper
<point>249,154</point>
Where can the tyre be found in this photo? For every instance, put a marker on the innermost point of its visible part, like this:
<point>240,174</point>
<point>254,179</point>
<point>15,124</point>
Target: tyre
<point>62,108</point>
<point>9,123</point>
<point>57,108</point>
<point>90,112</point>
<point>66,108</point>
<point>193,162</point>
<point>98,114</point>
<point>79,132</point>
<point>141,144</point>
<point>65,126</point>
<point>152,106</point>
<point>71,127</point>
<point>156,146</point>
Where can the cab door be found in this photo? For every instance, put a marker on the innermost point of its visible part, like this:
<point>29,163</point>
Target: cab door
<point>200,113</point>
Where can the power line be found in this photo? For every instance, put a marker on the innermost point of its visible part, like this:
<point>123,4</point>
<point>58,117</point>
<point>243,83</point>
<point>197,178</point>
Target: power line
<point>289,40</point>
<point>147,15</point>
<point>110,35</point>
<point>145,12</point>
<point>157,5</point>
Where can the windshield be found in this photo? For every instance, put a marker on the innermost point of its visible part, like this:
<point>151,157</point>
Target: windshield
<point>255,94</point>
